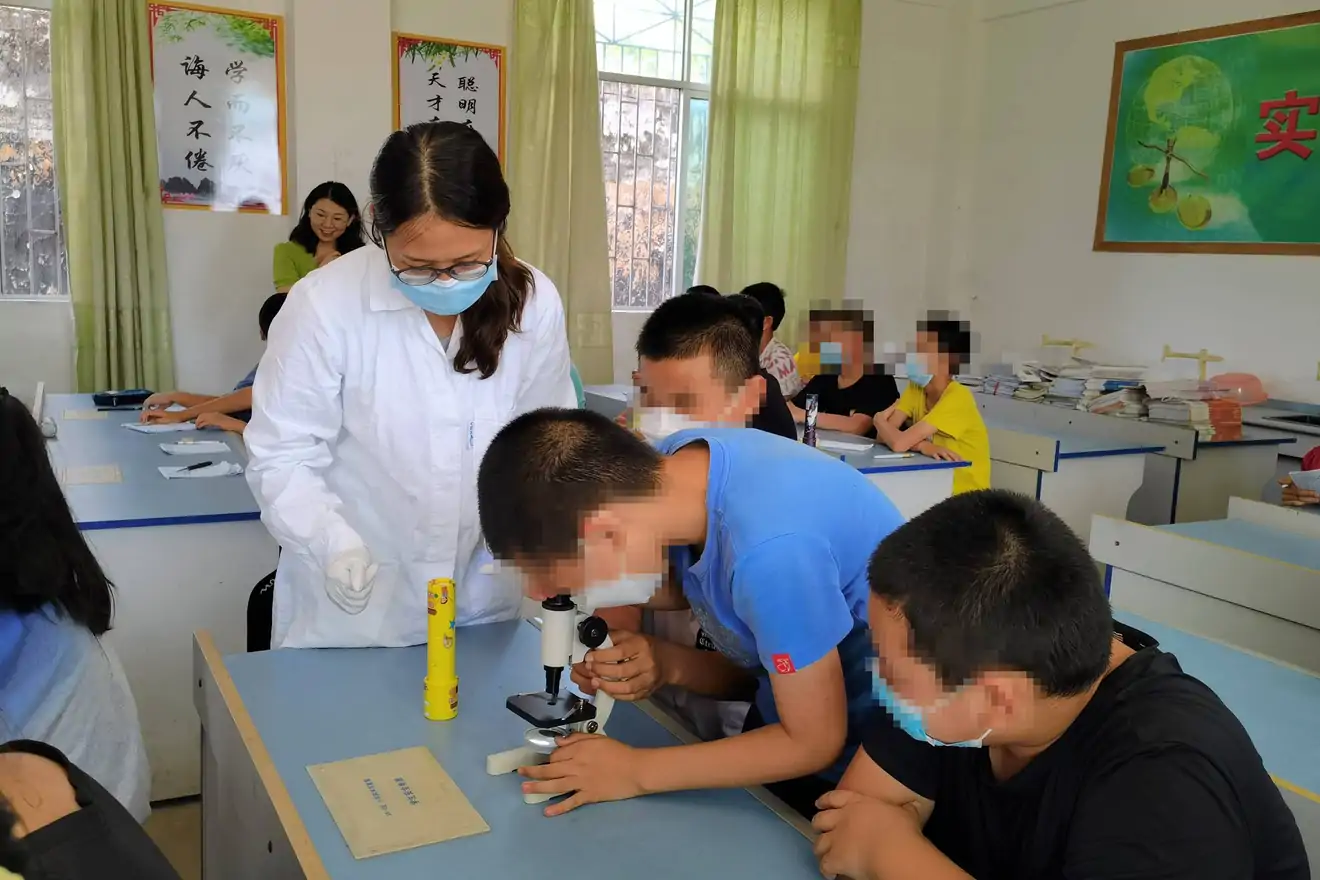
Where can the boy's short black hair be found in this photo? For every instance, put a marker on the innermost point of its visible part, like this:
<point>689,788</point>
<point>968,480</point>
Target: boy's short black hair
<point>697,323</point>
<point>954,337</point>
<point>547,470</point>
<point>995,580</point>
<point>859,320</point>
<point>771,298</point>
<point>13,854</point>
<point>751,311</point>
<point>703,288</point>
<point>269,309</point>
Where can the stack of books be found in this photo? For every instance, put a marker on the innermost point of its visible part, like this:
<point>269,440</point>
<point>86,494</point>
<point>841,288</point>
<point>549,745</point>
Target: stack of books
<point>1124,402</point>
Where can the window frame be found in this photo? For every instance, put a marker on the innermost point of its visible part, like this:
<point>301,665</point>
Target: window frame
<point>688,91</point>
<point>63,294</point>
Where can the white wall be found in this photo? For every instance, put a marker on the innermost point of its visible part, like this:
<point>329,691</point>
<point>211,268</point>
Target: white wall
<point>1043,100</point>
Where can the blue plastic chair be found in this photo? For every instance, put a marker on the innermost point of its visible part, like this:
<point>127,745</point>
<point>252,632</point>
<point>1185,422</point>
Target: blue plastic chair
<point>577,387</point>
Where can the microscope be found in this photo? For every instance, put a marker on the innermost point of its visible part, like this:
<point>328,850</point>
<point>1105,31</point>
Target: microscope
<point>568,632</point>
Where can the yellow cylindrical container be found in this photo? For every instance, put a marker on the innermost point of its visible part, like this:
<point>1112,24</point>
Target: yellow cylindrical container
<point>440,689</point>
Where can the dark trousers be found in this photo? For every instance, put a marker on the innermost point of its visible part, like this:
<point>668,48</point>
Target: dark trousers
<point>801,793</point>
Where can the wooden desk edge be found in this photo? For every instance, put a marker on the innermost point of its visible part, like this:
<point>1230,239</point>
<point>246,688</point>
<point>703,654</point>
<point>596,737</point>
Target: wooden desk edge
<point>789,815</point>
<point>299,840</point>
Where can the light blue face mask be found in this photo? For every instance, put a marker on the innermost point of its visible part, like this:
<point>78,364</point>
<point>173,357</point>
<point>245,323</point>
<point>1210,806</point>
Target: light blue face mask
<point>447,296</point>
<point>831,354</point>
<point>916,371</point>
<point>912,719</point>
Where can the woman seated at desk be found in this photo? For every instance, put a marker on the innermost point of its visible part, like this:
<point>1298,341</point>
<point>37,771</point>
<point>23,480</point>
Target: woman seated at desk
<point>59,682</point>
<point>850,389</point>
<point>330,227</point>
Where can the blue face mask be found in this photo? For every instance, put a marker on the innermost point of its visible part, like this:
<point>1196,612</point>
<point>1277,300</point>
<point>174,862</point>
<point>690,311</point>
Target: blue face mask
<point>831,354</point>
<point>916,371</point>
<point>912,719</point>
<point>447,296</point>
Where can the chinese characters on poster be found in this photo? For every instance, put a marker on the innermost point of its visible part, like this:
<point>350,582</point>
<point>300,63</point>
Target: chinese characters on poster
<point>1212,143</point>
<point>219,108</point>
<point>444,80</point>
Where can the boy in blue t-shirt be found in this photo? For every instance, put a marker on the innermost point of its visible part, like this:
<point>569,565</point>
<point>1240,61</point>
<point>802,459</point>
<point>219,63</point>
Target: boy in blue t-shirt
<point>765,539</point>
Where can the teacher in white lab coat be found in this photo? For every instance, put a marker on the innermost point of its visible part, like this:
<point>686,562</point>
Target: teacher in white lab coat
<point>385,378</point>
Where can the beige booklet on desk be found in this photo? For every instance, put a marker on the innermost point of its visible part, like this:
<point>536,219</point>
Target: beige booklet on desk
<point>395,801</point>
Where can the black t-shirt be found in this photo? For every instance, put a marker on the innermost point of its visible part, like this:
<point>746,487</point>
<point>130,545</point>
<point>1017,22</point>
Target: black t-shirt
<point>100,841</point>
<point>1155,778</point>
<point>774,417</point>
<point>870,394</point>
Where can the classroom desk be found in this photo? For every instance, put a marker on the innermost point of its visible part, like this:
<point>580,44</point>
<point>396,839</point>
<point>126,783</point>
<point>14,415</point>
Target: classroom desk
<point>1251,580</point>
<point>1189,479</point>
<point>1075,475</point>
<point>267,716</point>
<point>914,484</point>
<point>183,555</point>
<point>1278,705</point>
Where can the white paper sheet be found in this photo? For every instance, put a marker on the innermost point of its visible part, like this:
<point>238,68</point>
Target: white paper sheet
<point>219,469</point>
<point>158,428</point>
<point>195,447</point>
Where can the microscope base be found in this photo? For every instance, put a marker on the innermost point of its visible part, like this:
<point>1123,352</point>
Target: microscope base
<point>502,763</point>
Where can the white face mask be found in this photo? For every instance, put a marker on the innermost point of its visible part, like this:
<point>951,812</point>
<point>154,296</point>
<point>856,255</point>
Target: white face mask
<point>658,422</point>
<point>626,590</point>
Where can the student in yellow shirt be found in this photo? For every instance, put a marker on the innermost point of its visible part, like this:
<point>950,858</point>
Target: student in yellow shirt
<point>935,415</point>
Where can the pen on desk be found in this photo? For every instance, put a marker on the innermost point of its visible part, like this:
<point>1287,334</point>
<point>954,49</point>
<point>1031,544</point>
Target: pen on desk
<point>197,467</point>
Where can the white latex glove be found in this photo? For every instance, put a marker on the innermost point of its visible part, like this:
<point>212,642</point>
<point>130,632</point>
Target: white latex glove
<point>348,579</point>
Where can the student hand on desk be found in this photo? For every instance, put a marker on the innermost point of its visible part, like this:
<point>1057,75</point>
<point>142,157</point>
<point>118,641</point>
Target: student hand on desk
<point>220,422</point>
<point>631,670</point>
<point>939,453</point>
<point>164,417</point>
<point>1295,497</point>
<point>852,827</point>
<point>161,400</point>
<point>594,768</point>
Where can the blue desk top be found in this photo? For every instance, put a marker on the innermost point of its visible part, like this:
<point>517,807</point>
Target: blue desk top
<point>1254,538</point>
<point>315,706</point>
<point>144,497</point>
<point>868,463</point>
<point>1278,705</point>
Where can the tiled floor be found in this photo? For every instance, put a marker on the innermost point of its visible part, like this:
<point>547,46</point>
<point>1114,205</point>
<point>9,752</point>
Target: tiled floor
<point>177,829</point>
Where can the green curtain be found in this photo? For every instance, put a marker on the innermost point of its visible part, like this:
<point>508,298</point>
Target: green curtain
<point>779,173</point>
<point>555,170</point>
<point>105,155</point>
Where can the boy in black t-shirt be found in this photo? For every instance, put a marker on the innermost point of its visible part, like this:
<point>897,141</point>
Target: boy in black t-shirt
<point>1028,735</point>
<point>850,388</point>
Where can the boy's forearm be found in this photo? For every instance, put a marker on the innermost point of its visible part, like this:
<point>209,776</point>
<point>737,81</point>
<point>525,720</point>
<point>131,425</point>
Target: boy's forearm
<point>235,401</point>
<point>187,398</point>
<point>708,673</point>
<point>767,754</point>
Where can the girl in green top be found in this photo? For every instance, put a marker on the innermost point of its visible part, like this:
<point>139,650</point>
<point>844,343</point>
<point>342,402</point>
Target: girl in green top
<point>330,227</point>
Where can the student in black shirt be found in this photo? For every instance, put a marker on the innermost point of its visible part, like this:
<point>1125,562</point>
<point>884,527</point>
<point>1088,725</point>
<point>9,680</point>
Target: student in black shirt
<point>850,388</point>
<point>1074,746</point>
<point>57,823</point>
<point>697,365</point>
<point>774,416</point>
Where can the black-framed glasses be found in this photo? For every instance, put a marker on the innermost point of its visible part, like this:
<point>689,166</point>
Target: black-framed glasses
<point>416,276</point>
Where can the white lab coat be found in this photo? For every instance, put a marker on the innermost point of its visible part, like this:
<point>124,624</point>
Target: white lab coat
<point>361,428</point>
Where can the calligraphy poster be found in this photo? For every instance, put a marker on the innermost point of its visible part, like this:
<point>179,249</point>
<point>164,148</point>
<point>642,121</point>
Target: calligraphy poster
<point>219,90</point>
<point>1212,143</point>
<point>445,80</point>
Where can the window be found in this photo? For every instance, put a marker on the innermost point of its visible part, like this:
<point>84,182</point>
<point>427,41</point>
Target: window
<point>32,264</point>
<point>654,58</point>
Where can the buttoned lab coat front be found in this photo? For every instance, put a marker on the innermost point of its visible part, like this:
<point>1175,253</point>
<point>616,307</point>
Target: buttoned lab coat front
<point>362,428</point>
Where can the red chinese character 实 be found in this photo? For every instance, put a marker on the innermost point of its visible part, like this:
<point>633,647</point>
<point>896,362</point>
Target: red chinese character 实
<point>1281,121</point>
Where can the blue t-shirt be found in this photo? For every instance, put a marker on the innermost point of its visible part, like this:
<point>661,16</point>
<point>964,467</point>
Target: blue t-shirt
<point>248,380</point>
<point>782,579</point>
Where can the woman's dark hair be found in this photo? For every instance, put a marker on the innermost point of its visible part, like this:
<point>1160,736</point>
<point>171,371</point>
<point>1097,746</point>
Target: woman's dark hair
<point>43,557</point>
<point>447,169</point>
<point>342,196</point>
